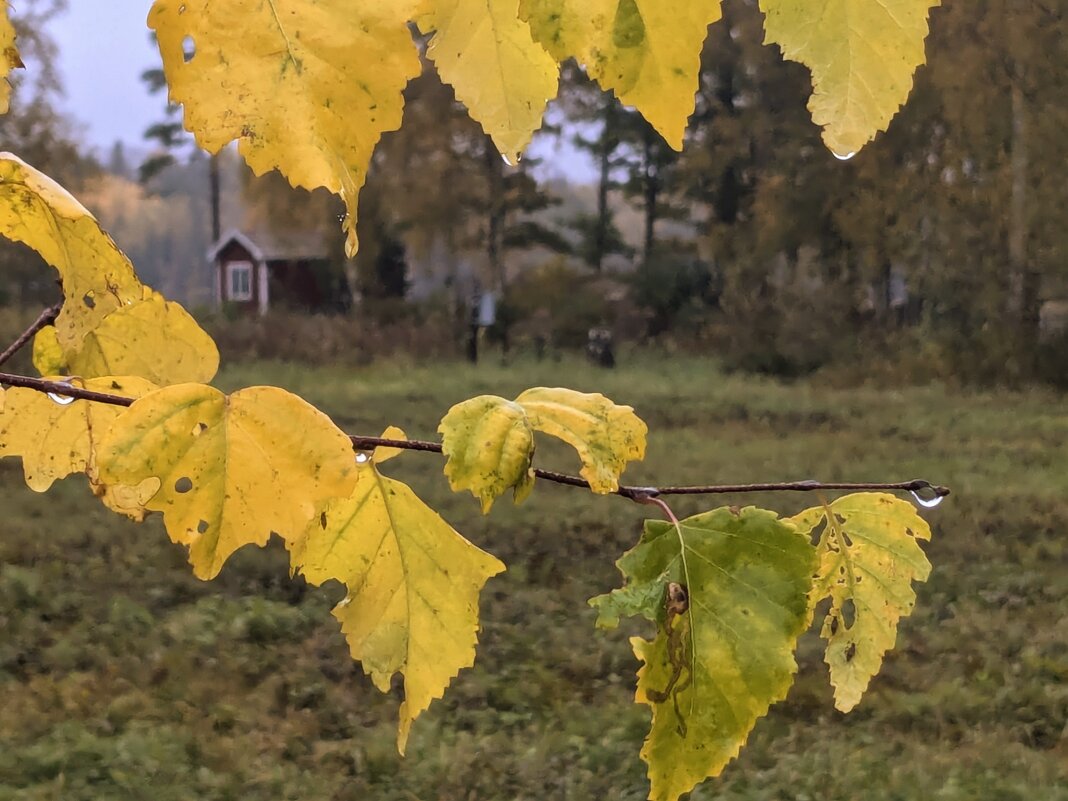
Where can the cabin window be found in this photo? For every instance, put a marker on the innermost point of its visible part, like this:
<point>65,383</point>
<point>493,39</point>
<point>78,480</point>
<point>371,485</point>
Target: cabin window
<point>239,279</point>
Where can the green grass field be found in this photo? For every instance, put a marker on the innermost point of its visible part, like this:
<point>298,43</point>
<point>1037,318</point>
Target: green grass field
<point>123,677</point>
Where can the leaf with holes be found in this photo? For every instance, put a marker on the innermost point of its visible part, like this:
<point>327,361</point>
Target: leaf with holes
<point>97,277</point>
<point>9,56</point>
<point>646,51</point>
<point>499,72</point>
<point>233,469</point>
<point>862,54</point>
<point>306,87</point>
<point>606,435</point>
<point>869,556</point>
<point>413,586</point>
<point>57,437</point>
<point>724,654</point>
<point>489,444</point>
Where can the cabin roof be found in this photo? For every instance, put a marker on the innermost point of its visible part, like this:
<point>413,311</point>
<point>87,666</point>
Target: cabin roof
<point>268,245</point>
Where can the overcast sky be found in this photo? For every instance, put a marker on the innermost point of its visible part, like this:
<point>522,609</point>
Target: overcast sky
<point>104,46</point>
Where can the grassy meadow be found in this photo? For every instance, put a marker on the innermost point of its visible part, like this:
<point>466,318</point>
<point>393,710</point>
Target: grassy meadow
<point>123,677</point>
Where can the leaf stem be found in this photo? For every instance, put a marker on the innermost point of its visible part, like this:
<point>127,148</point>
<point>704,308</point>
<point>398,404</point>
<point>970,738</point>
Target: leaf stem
<point>637,494</point>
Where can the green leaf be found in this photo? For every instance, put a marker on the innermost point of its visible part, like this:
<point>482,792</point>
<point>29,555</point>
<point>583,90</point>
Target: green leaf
<point>413,586</point>
<point>723,654</point>
<point>869,556</point>
<point>489,444</point>
<point>647,51</point>
<point>862,54</point>
<point>606,435</point>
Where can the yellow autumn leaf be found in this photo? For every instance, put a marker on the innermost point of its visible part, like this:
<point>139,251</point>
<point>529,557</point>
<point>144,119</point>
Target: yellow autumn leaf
<point>154,338</point>
<point>646,51</point>
<point>606,435</point>
<point>305,86</point>
<point>413,587</point>
<point>489,444</point>
<point>48,356</point>
<point>57,436</point>
<point>9,55</point>
<point>499,72</point>
<point>862,54</point>
<point>97,277</point>
<point>232,469</point>
<point>869,556</point>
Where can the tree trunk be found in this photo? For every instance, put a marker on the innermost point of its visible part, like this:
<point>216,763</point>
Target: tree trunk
<point>651,190</point>
<point>216,214</point>
<point>607,145</point>
<point>1026,279</point>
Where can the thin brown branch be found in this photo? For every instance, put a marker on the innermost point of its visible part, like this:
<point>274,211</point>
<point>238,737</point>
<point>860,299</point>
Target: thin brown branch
<point>640,494</point>
<point>47,317</point>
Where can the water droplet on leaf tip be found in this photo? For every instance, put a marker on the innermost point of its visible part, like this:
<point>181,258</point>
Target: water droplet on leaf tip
<point>927,503</point>
<point>62,400</point>
<point>511,161</point>
<point>361,458</point>
<point>844,156</point>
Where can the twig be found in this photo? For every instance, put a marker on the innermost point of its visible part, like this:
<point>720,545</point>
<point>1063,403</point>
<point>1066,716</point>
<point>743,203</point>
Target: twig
<point>639,494</point>
<point>47,317</point>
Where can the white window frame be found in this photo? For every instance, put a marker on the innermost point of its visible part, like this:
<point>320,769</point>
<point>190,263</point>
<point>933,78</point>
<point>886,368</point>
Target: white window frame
<point>233,269</point>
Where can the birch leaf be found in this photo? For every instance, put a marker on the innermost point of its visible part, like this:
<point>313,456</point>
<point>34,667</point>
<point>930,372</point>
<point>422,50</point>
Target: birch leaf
<point>869,552</point>
<point>413,587</point>
<point>57,437</point>
<point>306,87</point>
<point>232,469</point>
<point>154,338</point>
<point>499,72</point>
<point>862,54</point>
<point>97,277</point>
<point>9,56</point>
<point>489,444</point>
<point>606,435</point>
<point>728,590</point>
<point>646,51</point>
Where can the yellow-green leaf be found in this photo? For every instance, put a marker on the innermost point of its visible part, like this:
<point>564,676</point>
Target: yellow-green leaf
<point>606,435</point>
<point>97,276</point>
<point>153,338</point>
<point>48,356</point>
<point>58,436</point>
<point>862,54</point>
<point>499,72</point>
<point>413,587</point>
<point>729,591</point>
<point>647,51</point>
<point>489,444</point>
<point>9,56</point>
<point>869,555</point>
<point>233,469</point>
<point>305,86</point>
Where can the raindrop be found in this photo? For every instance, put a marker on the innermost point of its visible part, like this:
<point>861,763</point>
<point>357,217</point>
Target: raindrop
<point>62,400</point>
<point>512,161</point>
<point>926,503</point>
<point>362,458</point>
<point>844,156</point>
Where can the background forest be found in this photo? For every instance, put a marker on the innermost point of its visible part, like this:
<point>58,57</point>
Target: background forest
<point>938,252</point>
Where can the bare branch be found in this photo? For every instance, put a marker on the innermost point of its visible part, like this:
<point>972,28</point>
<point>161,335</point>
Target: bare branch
<point>46,318</point>
<point>639,494</point>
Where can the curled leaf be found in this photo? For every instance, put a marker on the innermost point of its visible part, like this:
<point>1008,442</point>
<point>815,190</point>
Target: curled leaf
<point>489,444</point>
